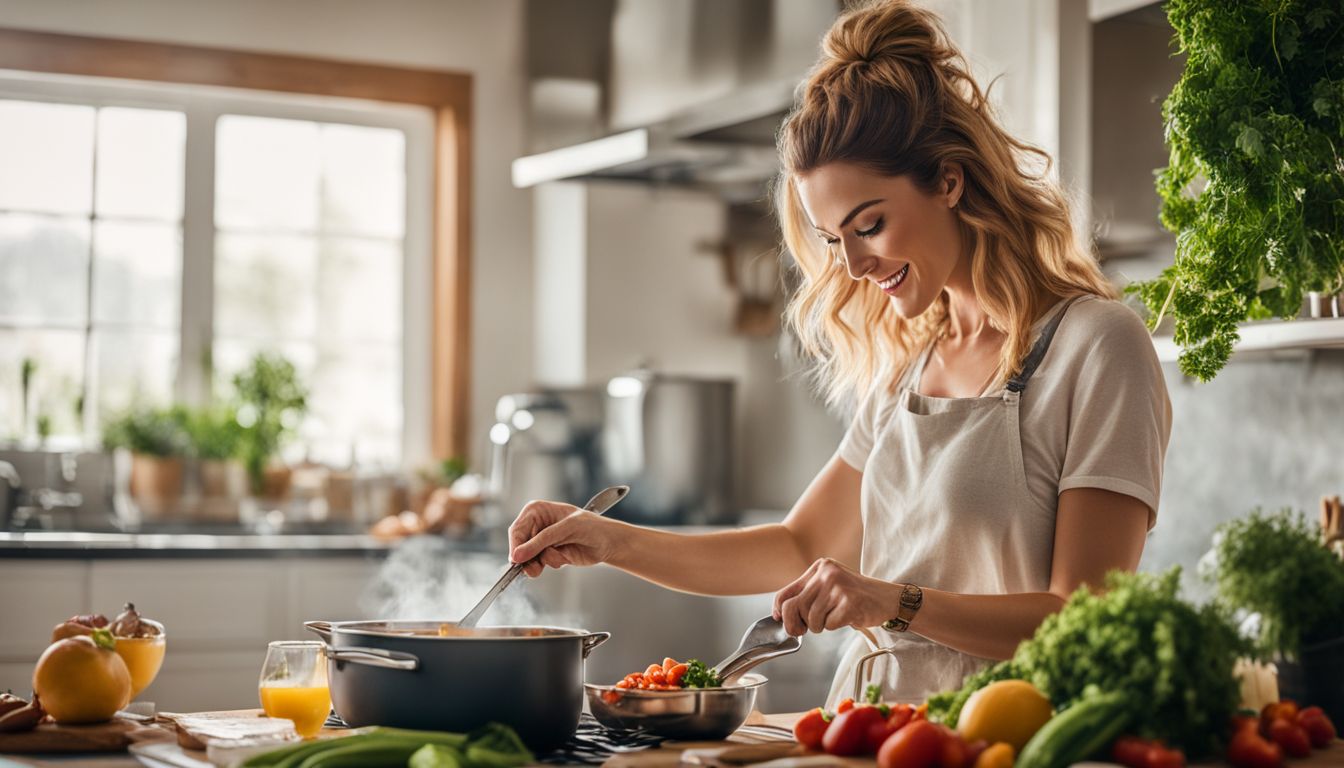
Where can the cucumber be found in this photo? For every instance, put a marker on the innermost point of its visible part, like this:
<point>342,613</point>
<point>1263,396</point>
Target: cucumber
<point>1079,731</point>
<point>370,754</point>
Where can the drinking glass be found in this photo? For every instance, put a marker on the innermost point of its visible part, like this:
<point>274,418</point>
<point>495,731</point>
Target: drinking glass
<point>294,684</point>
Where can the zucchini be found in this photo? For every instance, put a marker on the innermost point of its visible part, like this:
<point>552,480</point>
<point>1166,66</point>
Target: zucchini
<point>1079,731</point>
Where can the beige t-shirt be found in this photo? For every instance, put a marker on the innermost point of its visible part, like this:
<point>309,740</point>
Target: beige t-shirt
<point>1095,415</point>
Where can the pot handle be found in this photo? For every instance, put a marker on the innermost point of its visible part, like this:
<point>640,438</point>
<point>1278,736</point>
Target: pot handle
<point>592,640</point>
<point>374,657</point>
<point>320,628</point>
<point>862,668</point>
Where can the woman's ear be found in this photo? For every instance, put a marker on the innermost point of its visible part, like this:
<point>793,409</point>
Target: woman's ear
<point>953,183</point>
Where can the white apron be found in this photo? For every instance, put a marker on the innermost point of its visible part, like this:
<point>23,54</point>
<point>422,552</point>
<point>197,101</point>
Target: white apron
<point>945,506</point>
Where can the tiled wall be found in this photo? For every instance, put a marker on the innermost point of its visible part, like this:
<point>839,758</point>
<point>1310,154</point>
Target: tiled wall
<point>1263,433</point>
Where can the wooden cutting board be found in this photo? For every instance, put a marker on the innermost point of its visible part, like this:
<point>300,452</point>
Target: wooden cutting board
<point>50,738</point>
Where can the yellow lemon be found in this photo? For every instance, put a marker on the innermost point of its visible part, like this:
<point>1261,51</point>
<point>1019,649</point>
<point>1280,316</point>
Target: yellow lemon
<point>1010,711</point>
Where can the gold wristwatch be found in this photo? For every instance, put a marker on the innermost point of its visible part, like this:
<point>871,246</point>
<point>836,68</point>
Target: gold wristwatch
<point>912,597</point>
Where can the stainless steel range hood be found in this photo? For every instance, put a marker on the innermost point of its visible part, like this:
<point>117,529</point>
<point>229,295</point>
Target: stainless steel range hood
<point>725,144</point>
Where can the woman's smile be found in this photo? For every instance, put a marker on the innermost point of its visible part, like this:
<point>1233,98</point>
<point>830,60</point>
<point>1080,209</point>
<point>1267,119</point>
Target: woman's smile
<point>889,285</point>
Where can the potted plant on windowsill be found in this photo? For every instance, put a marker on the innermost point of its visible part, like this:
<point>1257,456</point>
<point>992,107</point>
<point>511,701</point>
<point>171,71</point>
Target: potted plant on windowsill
<point>217,441</point>
<point>1275,566</point>
<point>157,441</point>
<point>271,403</point>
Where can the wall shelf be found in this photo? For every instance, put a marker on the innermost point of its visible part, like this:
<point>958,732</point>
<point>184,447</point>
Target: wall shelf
<point>1272,335</point>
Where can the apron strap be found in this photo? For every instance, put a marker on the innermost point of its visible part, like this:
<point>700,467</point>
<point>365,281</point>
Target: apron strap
<point>1037,354</point>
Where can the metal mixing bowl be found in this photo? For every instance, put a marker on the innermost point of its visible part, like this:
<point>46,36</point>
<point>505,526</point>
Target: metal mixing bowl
<point>690,713</point>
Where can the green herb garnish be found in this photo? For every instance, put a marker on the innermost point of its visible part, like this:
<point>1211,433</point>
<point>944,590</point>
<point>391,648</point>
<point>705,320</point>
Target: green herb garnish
<point>1253,188</point>
<point>700,676</point>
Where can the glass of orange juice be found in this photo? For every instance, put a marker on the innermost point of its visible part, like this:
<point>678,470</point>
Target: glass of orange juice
<point>143,656</point>
<point>294,684</point>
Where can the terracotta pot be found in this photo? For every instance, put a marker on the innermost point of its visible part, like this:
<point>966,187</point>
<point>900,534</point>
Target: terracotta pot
<point>275,481</point>
<point>156,483</point>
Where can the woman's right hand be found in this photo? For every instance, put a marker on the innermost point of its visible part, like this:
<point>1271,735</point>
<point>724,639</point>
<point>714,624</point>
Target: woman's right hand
<point>558,534</point>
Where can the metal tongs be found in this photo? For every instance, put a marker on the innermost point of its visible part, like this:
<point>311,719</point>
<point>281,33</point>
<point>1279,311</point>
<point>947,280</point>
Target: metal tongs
<point>764,640</point>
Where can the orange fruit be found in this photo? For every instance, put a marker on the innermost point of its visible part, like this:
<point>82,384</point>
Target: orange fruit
<point>82,679</point>
<point>1009,711</point>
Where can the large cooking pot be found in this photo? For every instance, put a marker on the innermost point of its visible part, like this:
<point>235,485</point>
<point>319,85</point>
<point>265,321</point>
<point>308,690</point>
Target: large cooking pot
<point>431,675</point>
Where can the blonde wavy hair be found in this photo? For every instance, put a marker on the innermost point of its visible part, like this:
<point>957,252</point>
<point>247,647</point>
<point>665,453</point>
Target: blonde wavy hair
<point>892,94</point>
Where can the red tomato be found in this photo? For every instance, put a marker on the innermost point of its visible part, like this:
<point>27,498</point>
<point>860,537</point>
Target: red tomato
<point>844,706</point>
<point>658,677</point>
<point>848,732</point>
<point>668,663</point>
<point>917,745</point>
<point>653,668</point>
<point>1291,736</point>
<point>1160,757</point>
<point>1317,725</point>
<point>1130,751</point>
<point>900,715</point>
<point>953,752</point>
<point>810,729</point>
<point>1286,710</point>
<point>1249,750</point>
<point>974,749</point>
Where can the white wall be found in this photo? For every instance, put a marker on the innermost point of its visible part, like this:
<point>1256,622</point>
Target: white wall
<point>482,38</point>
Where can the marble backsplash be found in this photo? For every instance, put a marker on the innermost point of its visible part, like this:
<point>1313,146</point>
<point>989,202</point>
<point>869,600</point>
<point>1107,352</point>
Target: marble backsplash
<point>1266,432</point>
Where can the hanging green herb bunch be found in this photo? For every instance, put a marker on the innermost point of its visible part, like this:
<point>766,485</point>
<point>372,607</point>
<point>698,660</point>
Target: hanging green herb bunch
<point>1255,186</point>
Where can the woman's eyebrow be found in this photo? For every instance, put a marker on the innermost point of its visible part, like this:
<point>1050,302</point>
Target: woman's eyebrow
<point>857,210</point>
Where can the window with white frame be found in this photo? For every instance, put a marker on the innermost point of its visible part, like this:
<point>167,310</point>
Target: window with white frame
<point>153,240</point>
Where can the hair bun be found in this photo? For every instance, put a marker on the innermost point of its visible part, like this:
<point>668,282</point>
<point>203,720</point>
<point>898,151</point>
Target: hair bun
<point>895,29</point>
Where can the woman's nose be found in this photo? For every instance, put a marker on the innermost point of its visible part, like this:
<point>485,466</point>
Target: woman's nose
<point>857,263</point>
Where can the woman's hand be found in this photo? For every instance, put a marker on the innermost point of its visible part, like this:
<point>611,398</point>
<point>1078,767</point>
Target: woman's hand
<point>830,595</point>
<point>559,534</point>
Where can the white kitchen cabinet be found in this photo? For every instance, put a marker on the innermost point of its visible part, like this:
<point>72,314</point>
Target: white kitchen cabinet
<point>327,590</point>
<point>198,681</point>
<point>204,604</point>
<point>37,595</point>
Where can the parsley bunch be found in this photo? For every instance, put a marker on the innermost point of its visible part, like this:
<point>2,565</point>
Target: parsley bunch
<point>700,676</point>
<point>1170,659</point>
<point>1274,565</point>
<point>1254,189</point>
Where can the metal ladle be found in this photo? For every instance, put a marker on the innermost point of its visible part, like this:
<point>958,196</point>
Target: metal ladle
<point>764,640</point>
<point>604,500</point>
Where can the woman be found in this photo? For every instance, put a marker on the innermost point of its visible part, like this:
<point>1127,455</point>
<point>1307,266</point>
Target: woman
<point>1013,417</point>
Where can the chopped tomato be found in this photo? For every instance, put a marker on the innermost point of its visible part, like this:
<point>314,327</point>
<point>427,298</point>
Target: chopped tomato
<point>811,728</point>
<point>675,674</point>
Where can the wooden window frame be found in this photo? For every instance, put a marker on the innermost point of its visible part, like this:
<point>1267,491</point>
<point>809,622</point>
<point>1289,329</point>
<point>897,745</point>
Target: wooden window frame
<point>447,94</point>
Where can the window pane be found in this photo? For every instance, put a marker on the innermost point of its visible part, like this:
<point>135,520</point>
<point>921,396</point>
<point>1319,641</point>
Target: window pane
<point>264,286</point>
<point>46,157</point>
<point>43,269</point>
<point>58,357</point>
<point>266,173</point>
<point>363,180</point>
<point>368,375</point>
<point>134,368</point>
<point>140,156</point>
<point>137,273</point>
<point>360,290</point>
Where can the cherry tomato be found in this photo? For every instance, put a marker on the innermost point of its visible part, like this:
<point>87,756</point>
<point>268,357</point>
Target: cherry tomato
<point>953,752</point>
<point>848,734</point>
<point>1286,710</point>
<point>844,706</point>
<point>676,673</point>
<point>1249,750</point>
<point>1291,736</point>
<point>668,663</point>
<point>974,750</point>
<point>917,745</point>
<point>1130,751</point>
<point>651,669</point>
<point>810,729</point>
<point>1317,725</point>
<point>1159,756</point>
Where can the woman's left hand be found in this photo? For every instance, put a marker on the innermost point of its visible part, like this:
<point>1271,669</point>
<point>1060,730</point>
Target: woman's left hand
<point>830,595</point>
